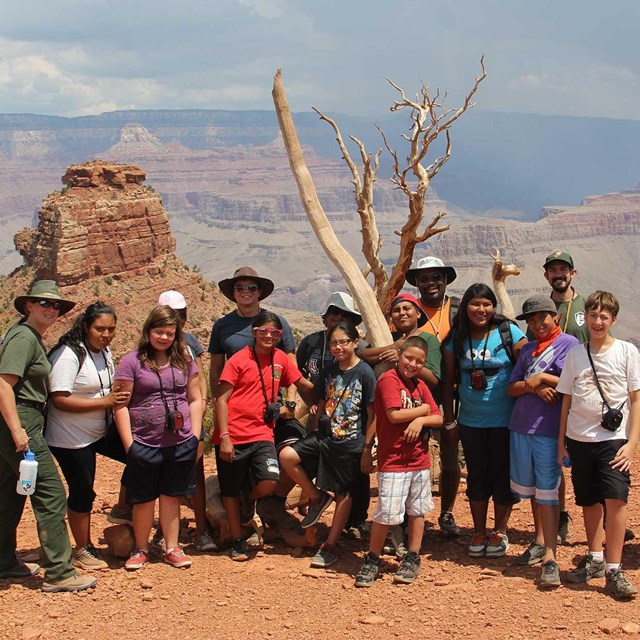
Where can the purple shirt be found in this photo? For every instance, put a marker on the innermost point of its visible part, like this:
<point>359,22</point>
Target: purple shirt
<point>147,409</point>
<point>530,413</point>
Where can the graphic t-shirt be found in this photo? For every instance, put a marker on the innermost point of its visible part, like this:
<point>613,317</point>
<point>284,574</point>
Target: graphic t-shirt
<point>490,407</point>
<point>147,408</point>
<point>394,453</point>
<point>618,370</point>
<point>247,404</point>
<point>68,429</point>
<point>347,395</point>
<point>531,414</point>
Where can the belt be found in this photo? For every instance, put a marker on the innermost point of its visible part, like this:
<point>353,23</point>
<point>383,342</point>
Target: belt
<point>40,406</point>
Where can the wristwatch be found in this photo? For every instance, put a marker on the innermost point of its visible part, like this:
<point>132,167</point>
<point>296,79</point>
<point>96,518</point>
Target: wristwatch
<point>290,404</point>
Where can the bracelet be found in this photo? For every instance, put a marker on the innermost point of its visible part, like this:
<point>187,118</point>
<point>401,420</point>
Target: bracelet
<point>448,426</point>
<point>226,433</point>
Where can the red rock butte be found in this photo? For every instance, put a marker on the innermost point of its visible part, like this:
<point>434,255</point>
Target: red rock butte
<point>104,222</point>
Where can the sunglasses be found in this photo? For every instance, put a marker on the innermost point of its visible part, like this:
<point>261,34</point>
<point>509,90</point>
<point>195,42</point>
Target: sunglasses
<point>433,277</point>
<point>343,342</point>
<point>268,331</point>
<point>47,304</point>
<point>245,287</point>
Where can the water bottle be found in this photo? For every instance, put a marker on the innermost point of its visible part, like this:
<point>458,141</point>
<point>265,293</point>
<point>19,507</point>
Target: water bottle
<point>28,472</point>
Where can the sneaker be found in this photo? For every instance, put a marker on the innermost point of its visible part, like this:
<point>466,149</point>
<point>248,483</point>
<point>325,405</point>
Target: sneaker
<point>550,576</point>
<point>368,572</point>
<point>206,543</point>
<point>357,531</point>
<point>120,515</point>
<point>409,569</point>
<point>273,512</point>
<point>316,509</point>
<point>563,527</point>
<point>137,560</point>
<point>239,550</point>
<point>448,526</point>
<point>618,585</point>
<point>247,510</point>
<point>159,541</point>
<point>533,555</point>
<point>497,545</point>
<point>76,582</point>
<point>478,546</point>
<point>395,545</point>
<point>88,558</point>
<point>325,557</point>
<point>176,557</point>
<point>587,569</point>
<point>254,539</point>
<point>20,570</point>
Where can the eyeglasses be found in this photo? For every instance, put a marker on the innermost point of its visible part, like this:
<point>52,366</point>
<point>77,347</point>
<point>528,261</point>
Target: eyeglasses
<point>343,342</point>
<point>47,304</point>
<point>239,288</point>
<point>430,277</point>
<point>268,331</point>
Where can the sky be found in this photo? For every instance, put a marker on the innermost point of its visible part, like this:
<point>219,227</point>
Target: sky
<point>553,57</point>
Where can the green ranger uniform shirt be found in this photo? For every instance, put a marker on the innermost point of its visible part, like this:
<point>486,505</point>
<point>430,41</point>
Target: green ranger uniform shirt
<point>22,354</point>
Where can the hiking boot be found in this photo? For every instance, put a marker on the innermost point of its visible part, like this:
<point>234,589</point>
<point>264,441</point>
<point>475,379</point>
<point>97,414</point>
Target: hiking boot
<point>76,582</point>
<point>88,558</point>
<point>120,515</point>
<point>448,526</point>
<point>316,509</point>
<point>532,555</point>
<point>409,569</point>
<point>247,510</point>
<point>618,585</point>
<point>550,576</point>
<point>20,570</point>
<point>563,527</point>
<point>159,541</point>
<point>177,558</point>
<point>137,560</point>
<point>497,545</point>
<point>325,556</point>
<point>273,512</point>
<point>239,550</point>
<point>478,546</point>
<point>395,545</point>
<point>587,569</point>
<point>368,572</point>
<point>206,543</point>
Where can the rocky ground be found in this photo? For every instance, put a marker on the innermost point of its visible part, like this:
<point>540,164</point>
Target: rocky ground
<point>277,595</point>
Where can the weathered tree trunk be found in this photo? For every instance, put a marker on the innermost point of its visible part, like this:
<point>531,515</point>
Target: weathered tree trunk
<point>379,333</point>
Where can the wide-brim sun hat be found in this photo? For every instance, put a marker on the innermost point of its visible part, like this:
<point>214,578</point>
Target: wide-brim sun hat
<point>43,290</point>
<point>407,297</point>
<point>429,262</point>
<point>344,302</point>
<point>246,273</point>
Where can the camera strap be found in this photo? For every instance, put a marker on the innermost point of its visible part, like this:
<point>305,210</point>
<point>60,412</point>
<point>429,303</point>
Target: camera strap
<point>164,399</point>
<point>103,393</point>
<point>262,384</point>
<point>595,375</point>
<point>484,351</point>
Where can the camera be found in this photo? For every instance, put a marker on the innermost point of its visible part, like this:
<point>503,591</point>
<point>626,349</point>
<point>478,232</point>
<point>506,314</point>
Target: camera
<point>272,412</point>
<point>174,420</point>
<point>478,379</point>
<point>612,419</point>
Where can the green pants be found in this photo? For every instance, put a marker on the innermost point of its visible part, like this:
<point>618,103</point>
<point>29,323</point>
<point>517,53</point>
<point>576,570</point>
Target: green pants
<point>48,500</point>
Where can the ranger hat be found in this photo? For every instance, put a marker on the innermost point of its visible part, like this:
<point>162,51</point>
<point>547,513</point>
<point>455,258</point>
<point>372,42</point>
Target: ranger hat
<point>43,290</point>
<point>539,302</point>
<point>562,256</point>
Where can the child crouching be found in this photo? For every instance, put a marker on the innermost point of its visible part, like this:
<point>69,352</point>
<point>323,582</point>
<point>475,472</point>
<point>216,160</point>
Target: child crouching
<point>404,406</point>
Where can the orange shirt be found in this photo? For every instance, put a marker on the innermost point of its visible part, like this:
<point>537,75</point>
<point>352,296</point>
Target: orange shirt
<point>438,323</point>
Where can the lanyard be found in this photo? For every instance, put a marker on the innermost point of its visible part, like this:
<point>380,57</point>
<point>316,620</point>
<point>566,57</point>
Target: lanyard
<point>104,355</point>
<point>433,326</point>
<point>273,375</point>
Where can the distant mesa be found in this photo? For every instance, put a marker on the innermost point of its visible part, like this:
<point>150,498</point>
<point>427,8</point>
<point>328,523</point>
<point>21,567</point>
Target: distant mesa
<point>104,222</point>
<point>136,141</point>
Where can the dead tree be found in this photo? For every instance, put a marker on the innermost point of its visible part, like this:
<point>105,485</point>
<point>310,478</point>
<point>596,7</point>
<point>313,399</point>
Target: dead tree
<point>429,118</point>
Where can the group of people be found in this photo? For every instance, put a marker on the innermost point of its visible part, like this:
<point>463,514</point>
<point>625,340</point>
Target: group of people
<point>456,371</point>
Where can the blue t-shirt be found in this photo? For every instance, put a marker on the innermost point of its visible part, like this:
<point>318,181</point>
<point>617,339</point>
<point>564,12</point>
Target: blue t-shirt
<point>233,332</point>
<point>531,414</point>
<point>490,407</point>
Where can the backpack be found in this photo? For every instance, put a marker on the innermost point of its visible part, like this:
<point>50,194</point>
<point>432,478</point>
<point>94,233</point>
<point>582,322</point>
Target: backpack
<point>507,340</point>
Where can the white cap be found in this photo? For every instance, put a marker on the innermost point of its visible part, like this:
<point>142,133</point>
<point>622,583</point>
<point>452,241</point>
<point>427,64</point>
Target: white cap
<point>173,299</point>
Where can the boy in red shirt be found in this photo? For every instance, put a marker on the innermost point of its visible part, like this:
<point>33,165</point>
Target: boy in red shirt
<point>404,406</point>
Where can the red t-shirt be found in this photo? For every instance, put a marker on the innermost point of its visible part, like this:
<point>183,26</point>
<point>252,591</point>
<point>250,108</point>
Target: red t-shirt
<point>394,453</point>
<point>247,402</point>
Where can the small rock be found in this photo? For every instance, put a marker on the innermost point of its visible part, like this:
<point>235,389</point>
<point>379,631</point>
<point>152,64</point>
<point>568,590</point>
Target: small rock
<point>490,572</point>
<point>630,628</point>
<point>521,592</point>
<point>222,603</point>
<point>269,568</point>
<point>147,597</point>
<point>609,625</point>
<point>372,620</point>
<point>288,625</point>
<point>145,584</point>
<point>30,634</point>
<point>441,583</point>
<point>270,616</point>
<point>312,573</point>
<point>54,614</point>
<point>165,596</point>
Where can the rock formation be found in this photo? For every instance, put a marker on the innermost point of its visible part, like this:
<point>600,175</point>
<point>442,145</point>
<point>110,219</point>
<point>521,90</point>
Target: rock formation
<point>104,222</point>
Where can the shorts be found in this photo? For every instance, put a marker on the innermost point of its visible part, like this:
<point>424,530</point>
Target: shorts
<point>155,471</point>
<point>593,478</point>
<point>486,451</point>
<point>401,492</point>
<point>334,467</point>
<point>253,463</point>
<point>534,467</point>
<point>287,432</point>
<point>78,467</point>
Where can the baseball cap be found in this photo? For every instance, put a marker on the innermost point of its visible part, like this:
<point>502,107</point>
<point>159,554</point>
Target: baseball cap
<point>534,304</point>
<point>563,256</point>
<point>173,299</point>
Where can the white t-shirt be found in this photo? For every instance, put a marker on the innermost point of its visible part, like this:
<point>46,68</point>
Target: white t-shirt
<point>618,371</point>
<point>69,430</point>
